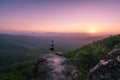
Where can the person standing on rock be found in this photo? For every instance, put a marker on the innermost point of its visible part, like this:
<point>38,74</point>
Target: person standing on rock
<point>51,47</point>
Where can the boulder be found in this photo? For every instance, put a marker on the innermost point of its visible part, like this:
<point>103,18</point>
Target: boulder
<point>107,69</point>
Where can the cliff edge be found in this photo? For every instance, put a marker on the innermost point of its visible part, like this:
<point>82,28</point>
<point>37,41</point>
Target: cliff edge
<point>54,67</point>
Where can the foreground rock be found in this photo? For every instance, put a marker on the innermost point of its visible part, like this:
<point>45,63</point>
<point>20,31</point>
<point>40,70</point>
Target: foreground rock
<point>54,67</point>
<point>107,69</point>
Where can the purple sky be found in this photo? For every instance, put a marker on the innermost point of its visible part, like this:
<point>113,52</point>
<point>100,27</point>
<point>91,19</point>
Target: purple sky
<point>89,16</point>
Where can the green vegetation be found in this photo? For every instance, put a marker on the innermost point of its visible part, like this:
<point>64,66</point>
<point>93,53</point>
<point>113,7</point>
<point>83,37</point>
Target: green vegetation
<point>89,55</point>
<point>18,56</point>
<point>16,65</point>
<point>18,53</point>
<point>20,71</point>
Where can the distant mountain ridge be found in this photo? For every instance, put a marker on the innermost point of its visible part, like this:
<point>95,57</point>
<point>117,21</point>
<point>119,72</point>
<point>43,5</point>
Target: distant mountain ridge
<point>28,33</point>
<point>42,42</point>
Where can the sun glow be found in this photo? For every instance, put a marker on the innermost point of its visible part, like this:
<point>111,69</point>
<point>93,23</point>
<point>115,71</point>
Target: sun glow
<point>93,30</point>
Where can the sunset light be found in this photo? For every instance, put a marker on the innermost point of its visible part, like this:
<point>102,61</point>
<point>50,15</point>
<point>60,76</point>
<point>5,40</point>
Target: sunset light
<point>92,30</point>
<point>60,16</point>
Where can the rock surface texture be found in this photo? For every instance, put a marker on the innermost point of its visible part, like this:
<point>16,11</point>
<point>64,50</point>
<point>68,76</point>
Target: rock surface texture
<point>107,69</point>
<point>54,67</point>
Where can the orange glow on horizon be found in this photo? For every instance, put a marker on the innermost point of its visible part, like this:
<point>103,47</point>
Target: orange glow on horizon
<point>61,17</point>
<point>63,29</point>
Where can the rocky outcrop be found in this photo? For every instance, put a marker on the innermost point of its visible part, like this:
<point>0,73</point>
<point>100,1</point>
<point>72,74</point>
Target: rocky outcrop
<point>54,67</point>
<point>107,69</point>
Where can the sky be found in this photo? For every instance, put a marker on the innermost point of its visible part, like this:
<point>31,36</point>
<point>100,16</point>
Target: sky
<point>62,16</point>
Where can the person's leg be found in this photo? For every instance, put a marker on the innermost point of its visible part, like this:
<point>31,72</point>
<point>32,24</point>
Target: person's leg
<point>53,51</point>
<point>50,51</point>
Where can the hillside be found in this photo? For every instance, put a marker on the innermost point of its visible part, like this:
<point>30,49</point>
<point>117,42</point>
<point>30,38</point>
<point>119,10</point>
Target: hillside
<point>89,55</point>
<point>18,57</point>
<point>18,52</point>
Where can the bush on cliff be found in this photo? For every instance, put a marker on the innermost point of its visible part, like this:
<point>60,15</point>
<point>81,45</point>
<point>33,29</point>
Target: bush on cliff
<point>89,55</point>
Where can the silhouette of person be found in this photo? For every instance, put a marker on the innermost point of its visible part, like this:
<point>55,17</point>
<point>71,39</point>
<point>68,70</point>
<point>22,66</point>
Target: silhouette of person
<point>51,47</point>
